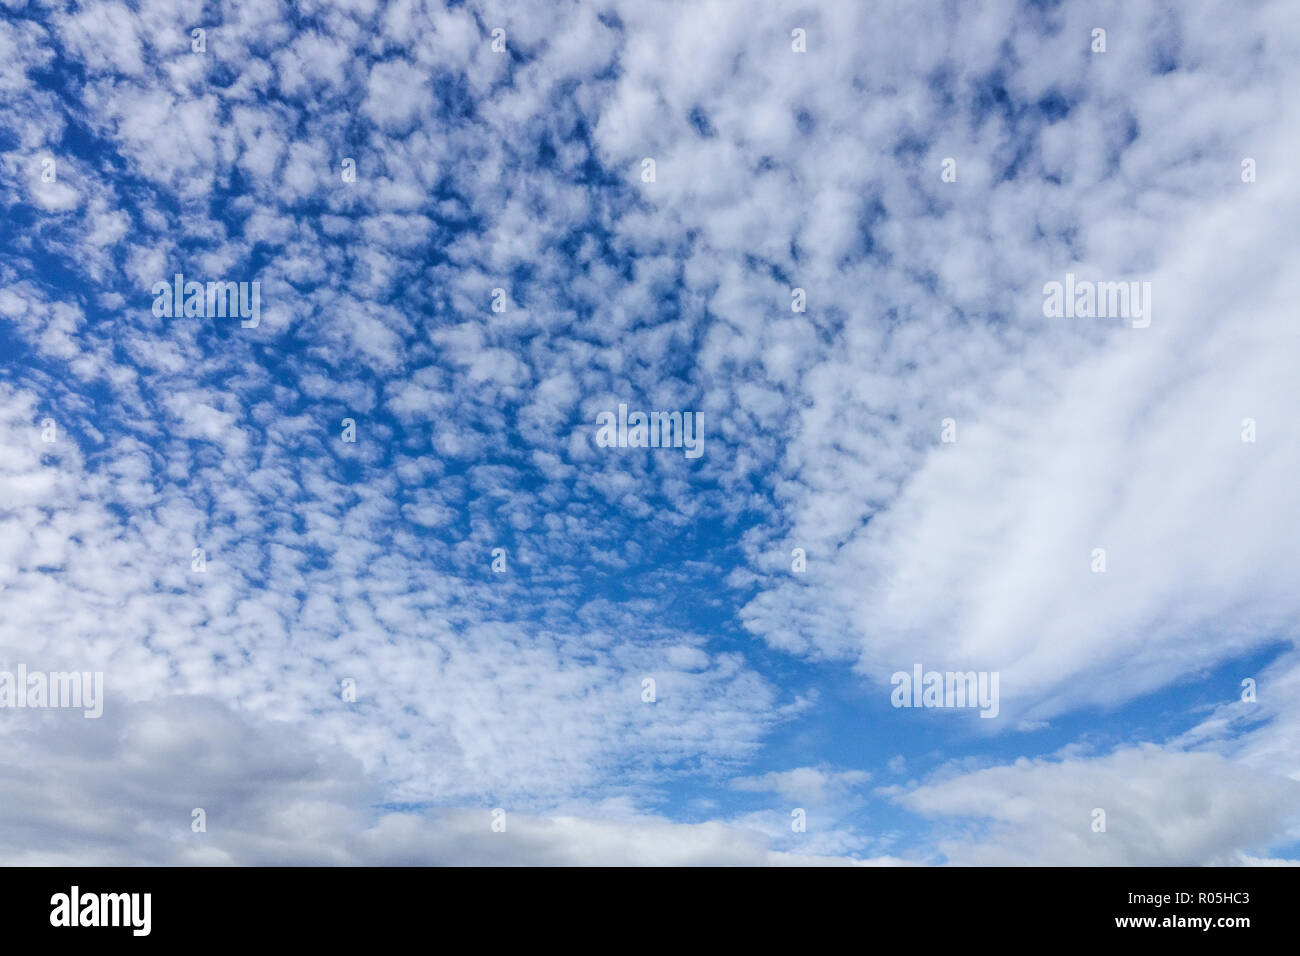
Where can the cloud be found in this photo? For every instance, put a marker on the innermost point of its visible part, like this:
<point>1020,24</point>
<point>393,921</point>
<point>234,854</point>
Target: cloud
<point>776,171</point>
<point>804,784</point>
<point>268,796</point>
<point>1161,808</point>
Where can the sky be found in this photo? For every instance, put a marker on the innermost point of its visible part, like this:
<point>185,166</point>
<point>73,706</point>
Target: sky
<point>366,584</point>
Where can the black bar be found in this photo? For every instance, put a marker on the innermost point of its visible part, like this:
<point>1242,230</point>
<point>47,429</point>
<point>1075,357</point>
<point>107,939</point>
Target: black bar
<point>650,908</point>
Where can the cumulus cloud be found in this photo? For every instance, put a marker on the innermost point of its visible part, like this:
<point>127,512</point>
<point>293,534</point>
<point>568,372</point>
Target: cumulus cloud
<point>1141,806</point>
<point>188,781</point>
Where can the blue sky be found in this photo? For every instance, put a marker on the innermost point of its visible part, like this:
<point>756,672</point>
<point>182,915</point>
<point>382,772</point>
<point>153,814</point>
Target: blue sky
<point>132,150</point>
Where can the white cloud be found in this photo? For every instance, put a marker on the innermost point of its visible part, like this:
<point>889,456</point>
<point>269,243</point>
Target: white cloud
<point>1161,808</point>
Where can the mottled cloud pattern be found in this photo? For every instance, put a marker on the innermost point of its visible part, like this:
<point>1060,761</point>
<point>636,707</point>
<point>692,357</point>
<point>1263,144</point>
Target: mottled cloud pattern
<point>366,585</point>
